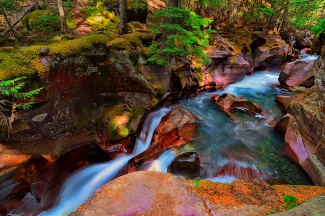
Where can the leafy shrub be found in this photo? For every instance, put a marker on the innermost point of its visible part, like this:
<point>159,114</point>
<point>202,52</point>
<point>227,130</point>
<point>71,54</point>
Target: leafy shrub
<point>179,34</point>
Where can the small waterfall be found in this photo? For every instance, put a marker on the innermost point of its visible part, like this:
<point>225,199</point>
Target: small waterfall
<point>162,163</point>
<point>84,182</point>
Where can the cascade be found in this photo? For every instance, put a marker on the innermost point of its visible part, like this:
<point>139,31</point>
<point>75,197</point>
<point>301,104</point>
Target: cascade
<point>84,182</point>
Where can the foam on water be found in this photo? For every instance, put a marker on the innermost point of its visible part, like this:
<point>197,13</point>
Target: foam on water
<point>311,57</point>
<point>162,163</point>
<point>84,182</point>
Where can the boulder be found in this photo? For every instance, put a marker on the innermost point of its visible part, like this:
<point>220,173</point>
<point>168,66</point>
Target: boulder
<point>229,102</point>
<point>154,193</point>
<point>175,129</point>
<point>187,165</point>
<point>224,68</point>
<point>271,49</point>
<point>303,41</point>
<point>284,100</point>
<point>296,73</point>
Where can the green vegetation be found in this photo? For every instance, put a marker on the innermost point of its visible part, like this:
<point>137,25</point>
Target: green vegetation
<point>42,20</point>
<point>179,34</point>
<point>271,212</point>
<point>196,182</point>
<point>26,62</point>
<point>319,28</point>
<point>11,99</point>
<point>289,202</point>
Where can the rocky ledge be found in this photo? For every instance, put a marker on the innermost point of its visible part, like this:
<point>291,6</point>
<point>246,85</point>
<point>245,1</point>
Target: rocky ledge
<point>154,193</point>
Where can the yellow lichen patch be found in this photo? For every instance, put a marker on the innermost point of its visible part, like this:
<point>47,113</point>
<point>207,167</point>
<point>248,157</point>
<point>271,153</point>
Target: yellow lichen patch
<point>99,18</point>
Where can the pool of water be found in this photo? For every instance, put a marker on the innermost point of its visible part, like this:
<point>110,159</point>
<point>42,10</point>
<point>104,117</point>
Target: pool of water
<point>248,142</point>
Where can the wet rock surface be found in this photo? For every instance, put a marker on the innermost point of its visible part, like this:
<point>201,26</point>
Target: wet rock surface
<point>175,129</point>
<point>187,165</point>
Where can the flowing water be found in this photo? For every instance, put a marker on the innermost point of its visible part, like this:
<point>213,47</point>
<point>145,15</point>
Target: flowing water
<point>247,147</point>
<point>227,148</point>
<point>84,182</point>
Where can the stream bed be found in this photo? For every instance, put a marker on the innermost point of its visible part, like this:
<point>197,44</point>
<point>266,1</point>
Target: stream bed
<point>248,143</point>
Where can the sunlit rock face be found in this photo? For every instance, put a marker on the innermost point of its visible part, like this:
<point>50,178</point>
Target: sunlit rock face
<point>175,129</point>
<point>223,69</point>
<point>299,72</point>
<point>271,49</point>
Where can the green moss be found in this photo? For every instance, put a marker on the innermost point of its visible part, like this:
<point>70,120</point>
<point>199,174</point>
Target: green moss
<point>69,20</point>
<point>76,46</point>
<point>112,130</point>
<point>124,132</point>
<point>25,62</point>
<point>42,20</point>
<point>120,44</point>
<point>19,62</point>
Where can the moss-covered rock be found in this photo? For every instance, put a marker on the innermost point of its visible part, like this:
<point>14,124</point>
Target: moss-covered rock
<point>26,62</point>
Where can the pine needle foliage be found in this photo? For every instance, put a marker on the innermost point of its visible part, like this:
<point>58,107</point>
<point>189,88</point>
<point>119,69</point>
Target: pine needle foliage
<point>179,33</point>
<point>319,28</point>
<point>11,88</point>
<point>9,94</point>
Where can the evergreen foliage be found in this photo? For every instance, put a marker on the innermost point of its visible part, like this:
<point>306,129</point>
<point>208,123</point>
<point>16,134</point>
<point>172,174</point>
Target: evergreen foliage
<point>10,91</point>
<point>180,33</point>
<point>11,88</point>
<point>319,28</point>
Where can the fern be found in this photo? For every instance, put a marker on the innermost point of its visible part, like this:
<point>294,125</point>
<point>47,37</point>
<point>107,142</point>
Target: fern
<point>10,90</point>
<point>179,34</point>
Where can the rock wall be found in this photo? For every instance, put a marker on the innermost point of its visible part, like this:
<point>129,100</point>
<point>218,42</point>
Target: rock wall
<point>304,124</point>
<point>319,71</point>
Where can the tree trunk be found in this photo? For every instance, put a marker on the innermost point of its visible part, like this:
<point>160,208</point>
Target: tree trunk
<point>62,17</point>
<point>8,23</point>
<point>122,29</point>
<point>174,3</point>
<point>29,9</point>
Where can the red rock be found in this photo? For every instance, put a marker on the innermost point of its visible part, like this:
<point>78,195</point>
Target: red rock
<point>284,100</point>
<point>221,72</point>
<point>175,129</point>
<point>296,73</point>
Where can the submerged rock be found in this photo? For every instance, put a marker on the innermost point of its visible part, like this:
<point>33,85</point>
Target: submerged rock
<point>187,165</point>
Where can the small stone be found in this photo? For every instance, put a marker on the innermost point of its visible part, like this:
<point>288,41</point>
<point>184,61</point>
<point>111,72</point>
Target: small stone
<point>44,51</point>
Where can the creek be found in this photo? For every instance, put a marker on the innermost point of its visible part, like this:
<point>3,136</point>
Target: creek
<point>247,144</point>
